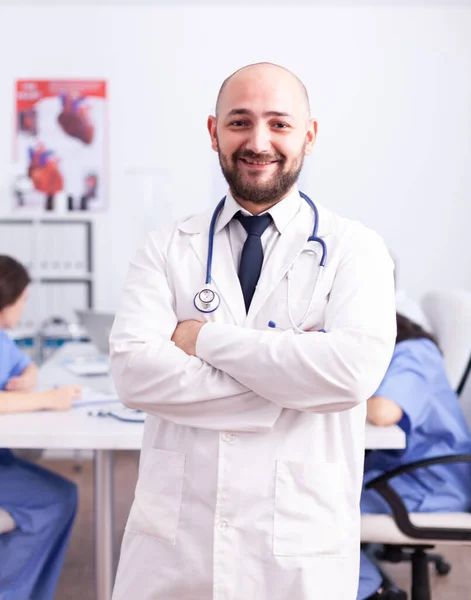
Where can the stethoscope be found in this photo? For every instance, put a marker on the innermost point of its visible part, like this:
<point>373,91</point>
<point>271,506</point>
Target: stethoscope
<point>117,416</point>
<point>207,300</point>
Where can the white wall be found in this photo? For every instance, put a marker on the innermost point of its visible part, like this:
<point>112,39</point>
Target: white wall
<point>391,88</point>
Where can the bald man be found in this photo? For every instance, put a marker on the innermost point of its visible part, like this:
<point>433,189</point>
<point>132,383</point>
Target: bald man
<point>252,335</point>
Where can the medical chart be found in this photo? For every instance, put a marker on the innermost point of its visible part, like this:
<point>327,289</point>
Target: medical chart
<point>59,152</point>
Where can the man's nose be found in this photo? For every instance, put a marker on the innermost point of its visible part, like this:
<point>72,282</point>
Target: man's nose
<point>259,140</point>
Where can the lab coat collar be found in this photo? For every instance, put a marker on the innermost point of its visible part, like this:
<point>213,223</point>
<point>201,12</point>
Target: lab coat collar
<point>281,213</point>
<point>285,252</point>
<point>287,249</point>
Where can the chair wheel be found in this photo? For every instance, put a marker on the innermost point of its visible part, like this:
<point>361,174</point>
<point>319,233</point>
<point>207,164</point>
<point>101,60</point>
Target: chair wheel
<point>442,567</point>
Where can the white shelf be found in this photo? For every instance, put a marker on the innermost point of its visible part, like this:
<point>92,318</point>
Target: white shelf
<point>29,217</point>
<point>21,333</point>
<point>62,275</point>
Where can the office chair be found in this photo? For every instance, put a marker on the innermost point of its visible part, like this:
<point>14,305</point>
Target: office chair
<point>409,537</point>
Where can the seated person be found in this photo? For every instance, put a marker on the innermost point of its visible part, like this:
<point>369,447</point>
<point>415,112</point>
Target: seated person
<point>42,504</point>
<point>416,395</point>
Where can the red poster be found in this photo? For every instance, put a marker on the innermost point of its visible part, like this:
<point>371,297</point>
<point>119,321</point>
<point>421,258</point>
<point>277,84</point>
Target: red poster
<point>60,143</point>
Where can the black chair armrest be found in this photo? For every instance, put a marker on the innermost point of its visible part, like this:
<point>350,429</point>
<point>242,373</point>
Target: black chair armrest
<point>398,509</point>
<point>462,383</point>
<point>419,464</point>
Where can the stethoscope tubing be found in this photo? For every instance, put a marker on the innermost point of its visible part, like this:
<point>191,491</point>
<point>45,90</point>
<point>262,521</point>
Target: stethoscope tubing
<point>208,307</point>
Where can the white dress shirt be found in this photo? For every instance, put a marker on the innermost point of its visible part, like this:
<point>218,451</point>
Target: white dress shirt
<point>281,213</point>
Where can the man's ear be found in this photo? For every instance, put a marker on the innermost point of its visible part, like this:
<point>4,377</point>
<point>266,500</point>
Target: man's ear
<point>311,137</point>
<point>213,132</point>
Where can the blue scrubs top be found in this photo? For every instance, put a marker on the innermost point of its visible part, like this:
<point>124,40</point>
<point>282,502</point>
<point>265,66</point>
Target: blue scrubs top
<point>42,504</point>
<point>12,363</point>
<point>12,360</point>
<point>434,425</point>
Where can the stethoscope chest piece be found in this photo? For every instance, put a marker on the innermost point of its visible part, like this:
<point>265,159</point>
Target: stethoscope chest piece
<point>207,300</point>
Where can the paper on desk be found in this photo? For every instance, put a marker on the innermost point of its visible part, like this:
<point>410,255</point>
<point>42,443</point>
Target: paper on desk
<point>88,365</point>
<point>91,396</point>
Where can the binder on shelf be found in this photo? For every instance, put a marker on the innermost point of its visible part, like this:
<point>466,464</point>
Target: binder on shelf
<point>15,241</point>
<point>62,299</point>
<point>65,249</point>
<point>57,253</point>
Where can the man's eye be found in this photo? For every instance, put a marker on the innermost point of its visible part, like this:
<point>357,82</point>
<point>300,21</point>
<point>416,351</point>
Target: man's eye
<point>281,125</point>
<point>237,123</point>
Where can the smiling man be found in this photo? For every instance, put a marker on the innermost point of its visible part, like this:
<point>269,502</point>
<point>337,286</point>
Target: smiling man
<point>252,337</point>
<point>261,151</point>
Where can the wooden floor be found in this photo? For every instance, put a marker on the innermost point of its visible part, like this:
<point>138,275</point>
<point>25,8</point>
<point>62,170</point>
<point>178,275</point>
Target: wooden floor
<point>77,581</point>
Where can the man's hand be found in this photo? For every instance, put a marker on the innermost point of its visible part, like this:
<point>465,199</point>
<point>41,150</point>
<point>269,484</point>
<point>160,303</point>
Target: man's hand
<point>26,382</point>
<point>185,336</point>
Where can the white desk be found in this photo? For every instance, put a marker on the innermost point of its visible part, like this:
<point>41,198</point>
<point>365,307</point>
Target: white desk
<point>384,438</point>
<point>78,431</point>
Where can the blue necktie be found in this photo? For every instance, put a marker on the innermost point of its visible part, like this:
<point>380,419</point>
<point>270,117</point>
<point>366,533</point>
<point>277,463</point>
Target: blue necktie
<point>252,254</point>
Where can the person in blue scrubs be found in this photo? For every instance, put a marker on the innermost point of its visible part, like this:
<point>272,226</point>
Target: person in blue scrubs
<point>42,504</point>
<point>416,395</point>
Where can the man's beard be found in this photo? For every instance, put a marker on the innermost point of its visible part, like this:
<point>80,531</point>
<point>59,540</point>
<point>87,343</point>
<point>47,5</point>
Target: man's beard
<point>268,192</point>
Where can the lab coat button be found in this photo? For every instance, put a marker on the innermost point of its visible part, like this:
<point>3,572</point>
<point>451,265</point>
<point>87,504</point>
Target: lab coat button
<point>223,525</point>
<point>228,437</point>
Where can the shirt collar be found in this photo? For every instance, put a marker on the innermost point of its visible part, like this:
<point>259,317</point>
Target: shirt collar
<point>282,212</point>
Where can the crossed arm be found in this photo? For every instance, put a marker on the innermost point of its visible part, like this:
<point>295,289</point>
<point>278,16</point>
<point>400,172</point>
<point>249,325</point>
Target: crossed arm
<point>220,376</point>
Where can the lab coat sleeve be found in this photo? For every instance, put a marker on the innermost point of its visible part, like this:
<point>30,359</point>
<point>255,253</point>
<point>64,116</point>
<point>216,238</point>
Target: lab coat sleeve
<point>320,372</point>
<point>152,374</point>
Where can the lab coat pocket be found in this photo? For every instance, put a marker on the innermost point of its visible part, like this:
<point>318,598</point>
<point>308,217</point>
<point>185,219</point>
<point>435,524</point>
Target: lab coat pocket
<point>310,510</point>
<point>157,501</point>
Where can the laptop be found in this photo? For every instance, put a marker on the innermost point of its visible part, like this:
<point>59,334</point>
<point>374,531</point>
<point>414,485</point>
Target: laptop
<point>98,327</point>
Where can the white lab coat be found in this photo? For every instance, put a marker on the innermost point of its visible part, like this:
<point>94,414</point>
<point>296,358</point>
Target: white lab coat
<point>252,458</point>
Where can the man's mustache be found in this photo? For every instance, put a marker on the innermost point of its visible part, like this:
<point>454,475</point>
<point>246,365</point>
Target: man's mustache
<point>257,157</point>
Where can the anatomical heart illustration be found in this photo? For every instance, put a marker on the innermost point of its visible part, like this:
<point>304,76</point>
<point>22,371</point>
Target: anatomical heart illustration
<point>60,141</point>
